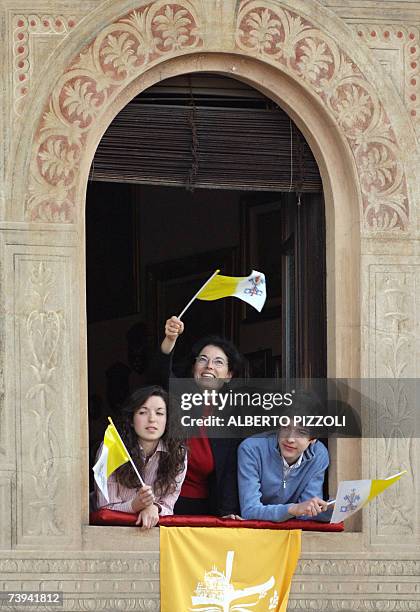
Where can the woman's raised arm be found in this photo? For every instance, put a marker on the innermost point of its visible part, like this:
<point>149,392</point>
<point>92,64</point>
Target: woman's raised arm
<point>173,328</point>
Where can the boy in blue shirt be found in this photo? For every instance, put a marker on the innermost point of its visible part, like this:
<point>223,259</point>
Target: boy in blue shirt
<point>281,476</point>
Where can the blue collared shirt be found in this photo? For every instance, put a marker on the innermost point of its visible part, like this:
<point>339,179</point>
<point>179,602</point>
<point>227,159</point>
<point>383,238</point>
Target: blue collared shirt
<point>261,472</point>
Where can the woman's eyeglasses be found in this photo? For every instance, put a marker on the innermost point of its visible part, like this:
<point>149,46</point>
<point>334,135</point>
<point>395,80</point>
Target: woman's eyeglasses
<point>217,362</point>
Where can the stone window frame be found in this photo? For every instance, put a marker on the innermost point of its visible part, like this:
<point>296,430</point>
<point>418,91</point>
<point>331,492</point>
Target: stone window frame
<point>342,206</point>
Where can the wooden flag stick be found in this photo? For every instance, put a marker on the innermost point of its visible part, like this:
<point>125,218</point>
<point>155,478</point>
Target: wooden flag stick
<point>128,454</point>
<point>395,475</point>
<point>193,298</point>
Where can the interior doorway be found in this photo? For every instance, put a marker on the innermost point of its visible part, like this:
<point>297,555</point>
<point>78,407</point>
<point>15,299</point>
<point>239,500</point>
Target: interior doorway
<point>198,173</point>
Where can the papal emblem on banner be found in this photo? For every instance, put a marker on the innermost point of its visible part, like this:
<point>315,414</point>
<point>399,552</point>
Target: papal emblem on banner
<point>226,570</point>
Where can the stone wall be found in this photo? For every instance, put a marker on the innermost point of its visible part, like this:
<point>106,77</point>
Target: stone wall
<point>349,77</point>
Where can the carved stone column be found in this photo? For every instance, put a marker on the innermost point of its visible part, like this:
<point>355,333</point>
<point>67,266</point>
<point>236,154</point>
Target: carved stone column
<point>7,422</point>
<point>41,390</point>
<point>391,294</point>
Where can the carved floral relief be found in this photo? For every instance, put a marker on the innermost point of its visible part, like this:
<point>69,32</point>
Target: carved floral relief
<point>395,371</point>
<point>118,54</point>
<point>44,329</point>
<point>264,29</point>
<point>280,35</point>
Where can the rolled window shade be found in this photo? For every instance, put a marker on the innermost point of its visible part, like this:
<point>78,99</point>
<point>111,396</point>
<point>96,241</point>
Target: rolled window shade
<point>230,148</point>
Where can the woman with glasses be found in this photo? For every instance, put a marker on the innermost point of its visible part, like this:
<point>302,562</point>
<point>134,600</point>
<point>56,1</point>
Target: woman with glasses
<point>210,485</point>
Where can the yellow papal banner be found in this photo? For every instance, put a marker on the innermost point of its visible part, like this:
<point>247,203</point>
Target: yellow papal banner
<point>220,569</point>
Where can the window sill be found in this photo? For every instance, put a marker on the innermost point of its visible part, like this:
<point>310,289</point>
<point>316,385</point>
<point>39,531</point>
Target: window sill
<point>100,538</point>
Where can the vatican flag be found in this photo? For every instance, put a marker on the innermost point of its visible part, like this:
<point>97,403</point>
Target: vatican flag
<point>218,569</point>
<point>250,289</point>
<point>113,454</point>
<point>352,495</point>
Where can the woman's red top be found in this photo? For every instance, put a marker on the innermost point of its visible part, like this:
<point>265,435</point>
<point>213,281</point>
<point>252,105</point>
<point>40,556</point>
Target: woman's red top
<point>200,466</point>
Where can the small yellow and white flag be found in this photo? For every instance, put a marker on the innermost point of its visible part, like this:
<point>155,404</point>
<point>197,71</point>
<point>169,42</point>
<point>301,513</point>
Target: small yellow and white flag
<point>250,289</point>
<point>213,569</point>
<point>113,455</point>
<point>352,495</point>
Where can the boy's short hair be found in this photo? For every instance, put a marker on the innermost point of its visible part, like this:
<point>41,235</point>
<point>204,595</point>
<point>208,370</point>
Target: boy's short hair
<point>305,404</point>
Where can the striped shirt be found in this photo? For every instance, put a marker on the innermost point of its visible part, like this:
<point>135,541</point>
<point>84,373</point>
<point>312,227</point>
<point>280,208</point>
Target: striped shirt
<point>288,468</point>
<point>120,497</point>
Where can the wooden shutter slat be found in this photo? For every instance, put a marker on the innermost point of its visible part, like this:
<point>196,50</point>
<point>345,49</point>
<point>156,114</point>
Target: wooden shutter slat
<point>236,148</point>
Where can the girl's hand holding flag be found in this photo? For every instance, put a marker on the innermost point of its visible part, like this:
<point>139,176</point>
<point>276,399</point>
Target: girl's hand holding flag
<point>143,498</point>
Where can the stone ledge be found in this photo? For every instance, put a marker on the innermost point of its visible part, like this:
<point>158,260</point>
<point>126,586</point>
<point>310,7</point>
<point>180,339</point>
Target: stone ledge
<point>145,565</point>
<point>153,604</point>
<point>105,580</point>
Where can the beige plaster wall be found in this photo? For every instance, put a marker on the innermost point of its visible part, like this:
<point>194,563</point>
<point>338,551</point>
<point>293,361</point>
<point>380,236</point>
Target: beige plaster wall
<point>349,77</point>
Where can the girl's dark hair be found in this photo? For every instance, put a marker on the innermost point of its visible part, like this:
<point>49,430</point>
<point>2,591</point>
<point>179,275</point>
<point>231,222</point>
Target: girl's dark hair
<point>235,359</point>
<point>171,463</point>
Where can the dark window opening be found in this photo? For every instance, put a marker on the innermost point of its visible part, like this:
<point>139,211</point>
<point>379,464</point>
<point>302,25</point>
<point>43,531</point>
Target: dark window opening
<point>194,174</point>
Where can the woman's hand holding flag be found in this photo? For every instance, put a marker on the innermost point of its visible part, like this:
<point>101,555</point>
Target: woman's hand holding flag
<point>173,329</point>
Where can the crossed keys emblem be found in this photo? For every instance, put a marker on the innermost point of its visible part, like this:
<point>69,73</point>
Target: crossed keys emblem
<point>352,500</point>
<point>253,290</point>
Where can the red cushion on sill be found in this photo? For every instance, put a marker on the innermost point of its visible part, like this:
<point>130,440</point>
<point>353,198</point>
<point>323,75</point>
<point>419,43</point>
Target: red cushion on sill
<point>113,517</point>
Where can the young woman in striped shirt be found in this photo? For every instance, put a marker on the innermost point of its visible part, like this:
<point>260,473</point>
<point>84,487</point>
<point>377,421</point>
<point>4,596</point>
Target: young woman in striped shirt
<point>148,433</point>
